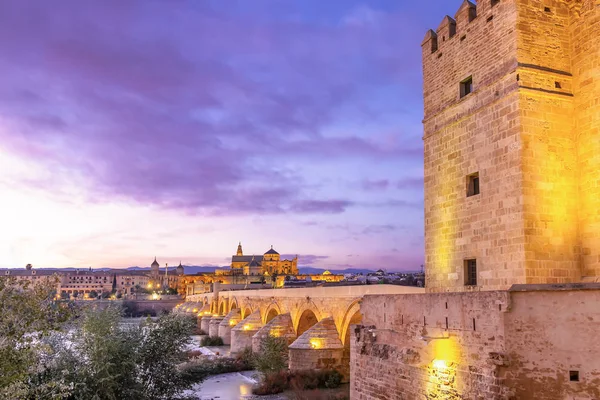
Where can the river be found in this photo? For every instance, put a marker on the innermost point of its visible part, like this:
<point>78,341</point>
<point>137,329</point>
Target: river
<point>233,386</point>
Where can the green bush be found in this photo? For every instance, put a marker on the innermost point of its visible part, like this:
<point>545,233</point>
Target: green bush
<point>200,332</point>
<point>246,358</point>
<point>273,383</point>
<point>104,360</point>
<point>273,355</point>
<point>211,341</point>
<point>200,368</point>
<point>334,379</point>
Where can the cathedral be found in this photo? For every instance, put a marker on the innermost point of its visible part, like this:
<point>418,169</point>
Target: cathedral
<point>267,264</point>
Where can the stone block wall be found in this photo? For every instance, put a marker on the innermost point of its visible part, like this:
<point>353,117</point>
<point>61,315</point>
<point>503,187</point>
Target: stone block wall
<point>280,326</point>
<point>530,129</point>
<point>205,323</point>
<point>478,133</point>
<point>404,349</point>
<point>242,333</point>
<point>514,345</point>
<point>213,326</point>
<point>319,347</point>
<point>303,359</point>
<point>585,30</point>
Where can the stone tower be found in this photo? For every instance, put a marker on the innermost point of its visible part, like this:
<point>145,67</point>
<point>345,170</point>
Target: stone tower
<point>512,144</point>
<point>239,250</point>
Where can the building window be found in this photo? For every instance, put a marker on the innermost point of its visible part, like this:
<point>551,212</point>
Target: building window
<point>470,272</point>
<point>473,184</point>
<point>466,86</point>
<point>574,376</point>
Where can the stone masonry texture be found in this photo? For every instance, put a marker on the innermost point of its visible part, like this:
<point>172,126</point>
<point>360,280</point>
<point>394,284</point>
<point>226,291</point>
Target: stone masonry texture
<point>512,345</point>
<point>530,129</point>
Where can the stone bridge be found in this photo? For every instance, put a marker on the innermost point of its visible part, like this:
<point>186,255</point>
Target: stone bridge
<point>315,321</point>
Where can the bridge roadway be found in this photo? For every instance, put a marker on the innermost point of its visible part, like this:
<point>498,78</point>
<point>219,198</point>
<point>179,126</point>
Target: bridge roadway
<point>316,321</point>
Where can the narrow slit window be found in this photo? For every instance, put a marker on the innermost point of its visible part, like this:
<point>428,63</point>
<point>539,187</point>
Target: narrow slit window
<point>473,184</point>
<point>466,87</point>
<point>471,272</point>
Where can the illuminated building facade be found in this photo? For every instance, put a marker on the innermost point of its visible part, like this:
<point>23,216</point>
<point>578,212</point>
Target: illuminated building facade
<point>512,147</point>
<point>267,264</point>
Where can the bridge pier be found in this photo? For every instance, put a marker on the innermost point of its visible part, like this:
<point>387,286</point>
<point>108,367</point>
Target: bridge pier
<point>213,328</point>
<point>280,326</point>
<point>205,323</point>
<point>241,334</point>
<point>228,323</point>
<point>319,347</point>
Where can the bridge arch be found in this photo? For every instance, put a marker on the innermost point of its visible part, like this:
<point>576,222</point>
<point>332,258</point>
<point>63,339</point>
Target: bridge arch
<point>205,300</point>
<point>233,304</point>
<point>271,312</point>
<point>306,320</point>
<point>222,307</point>
<point>352,316</point>
<point>247,311</point>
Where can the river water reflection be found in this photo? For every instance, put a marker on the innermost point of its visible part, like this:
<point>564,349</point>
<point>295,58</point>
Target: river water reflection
<point>233,386</point>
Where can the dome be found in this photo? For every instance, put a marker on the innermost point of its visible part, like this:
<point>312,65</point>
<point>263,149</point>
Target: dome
<point>154,263</point>
<point>271,251</point>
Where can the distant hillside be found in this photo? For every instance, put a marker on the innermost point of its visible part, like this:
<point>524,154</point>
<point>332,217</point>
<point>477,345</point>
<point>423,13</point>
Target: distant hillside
<point>312,270</point>
<point>195,269</point>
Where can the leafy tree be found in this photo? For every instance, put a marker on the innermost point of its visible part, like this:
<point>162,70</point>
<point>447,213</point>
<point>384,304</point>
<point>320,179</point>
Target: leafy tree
<point>103,360</point>
<point>93,294</point>
<point>172,291</point>
<point>28,313</point>
<point>273,355</point>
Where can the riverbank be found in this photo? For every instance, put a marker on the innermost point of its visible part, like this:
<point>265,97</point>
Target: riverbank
<point>238,386</point>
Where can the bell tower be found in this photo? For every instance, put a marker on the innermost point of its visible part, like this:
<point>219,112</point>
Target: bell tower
<point>239,250</point>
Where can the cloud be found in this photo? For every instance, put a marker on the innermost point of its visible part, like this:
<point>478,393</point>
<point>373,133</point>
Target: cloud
<point>375,185</point>
<point>193,106</point>
<point>321,206</point>
<point>410,183</point>
<point>378,229</point>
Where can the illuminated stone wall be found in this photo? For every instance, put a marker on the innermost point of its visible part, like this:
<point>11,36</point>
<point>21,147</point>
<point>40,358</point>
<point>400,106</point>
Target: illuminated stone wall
<point>531,130</point>
<point>585,30</point>
<point>476,133</point>
<point>517,344</point>
<point>404,350</point>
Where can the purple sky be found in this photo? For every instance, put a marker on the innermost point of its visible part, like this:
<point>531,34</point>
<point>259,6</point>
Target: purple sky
<point>130,129</point>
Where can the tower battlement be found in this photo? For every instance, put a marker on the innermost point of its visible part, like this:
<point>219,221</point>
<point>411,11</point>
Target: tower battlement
<point>512,145</point>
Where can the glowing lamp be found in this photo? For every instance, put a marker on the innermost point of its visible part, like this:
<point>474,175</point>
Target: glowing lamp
<point>246,327</point>
<point>275,333</point>
<point>195,310</point>
<point>231,322</point>
<point>315,343</point>
<point>154,296</point>
<point>440,364</point>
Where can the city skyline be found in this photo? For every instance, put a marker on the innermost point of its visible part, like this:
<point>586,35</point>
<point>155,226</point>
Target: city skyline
<point>178,130</point>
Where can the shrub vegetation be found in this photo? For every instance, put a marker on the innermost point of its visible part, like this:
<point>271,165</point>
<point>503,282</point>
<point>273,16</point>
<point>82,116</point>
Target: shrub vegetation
<point>211,341</point>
